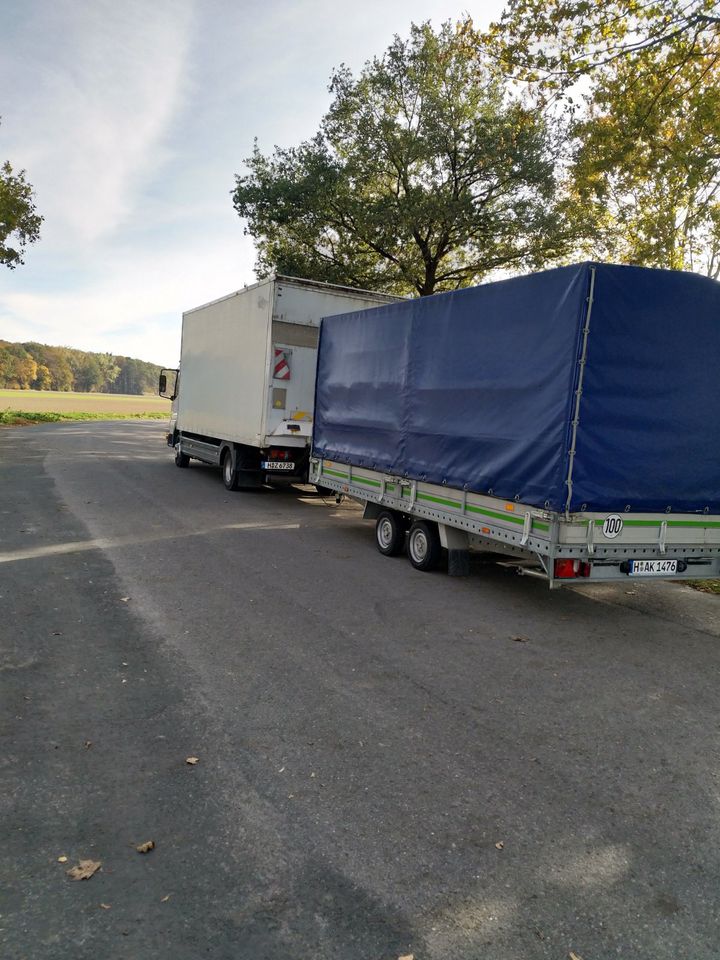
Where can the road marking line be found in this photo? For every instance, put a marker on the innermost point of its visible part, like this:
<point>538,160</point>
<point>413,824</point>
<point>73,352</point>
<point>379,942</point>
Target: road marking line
<point>110,543</point>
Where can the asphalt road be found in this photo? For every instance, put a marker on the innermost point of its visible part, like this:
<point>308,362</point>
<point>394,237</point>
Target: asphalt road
<point>383,770</point>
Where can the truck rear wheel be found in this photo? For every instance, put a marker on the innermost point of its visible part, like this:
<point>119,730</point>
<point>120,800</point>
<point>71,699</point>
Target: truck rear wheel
<point>181,459</point>
<point>423,545</point>
<point>390,533</point>
<point>229,470</point>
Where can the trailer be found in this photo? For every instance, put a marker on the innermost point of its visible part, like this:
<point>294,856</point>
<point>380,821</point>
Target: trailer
<point>565,423</point>
<point>243,394</point>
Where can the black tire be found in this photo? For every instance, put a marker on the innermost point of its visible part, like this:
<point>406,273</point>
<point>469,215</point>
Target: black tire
<point>390,533</point>
<point>181,459</point>
<point>423,545</point>
<point>229,470</point>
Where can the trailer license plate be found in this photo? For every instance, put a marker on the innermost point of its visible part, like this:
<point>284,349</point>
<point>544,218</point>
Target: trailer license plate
<point>277,465</point>
<point>652,568</point>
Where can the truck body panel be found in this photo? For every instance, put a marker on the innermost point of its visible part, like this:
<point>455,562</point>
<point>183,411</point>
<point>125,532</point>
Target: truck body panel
<point>248,363</point>
<point>223,364</point>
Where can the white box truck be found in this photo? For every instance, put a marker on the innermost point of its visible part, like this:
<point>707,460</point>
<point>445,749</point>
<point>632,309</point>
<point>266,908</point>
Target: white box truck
<point>244,392</point>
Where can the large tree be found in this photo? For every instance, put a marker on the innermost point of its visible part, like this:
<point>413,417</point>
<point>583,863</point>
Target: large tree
<point>425,175</point>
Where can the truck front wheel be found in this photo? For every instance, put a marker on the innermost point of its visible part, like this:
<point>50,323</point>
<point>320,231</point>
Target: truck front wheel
<point>423,545</point>
<point>390,533</point>
<point>229,471</point>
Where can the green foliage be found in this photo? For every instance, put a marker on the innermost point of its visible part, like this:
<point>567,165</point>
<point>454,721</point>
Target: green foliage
<point>41,367</point>
<point>18,368</point>
<point>646,171</point>
<point>19,220</point>
<point>425,175</point>
<point>554,42</point>
<point>637,86</point>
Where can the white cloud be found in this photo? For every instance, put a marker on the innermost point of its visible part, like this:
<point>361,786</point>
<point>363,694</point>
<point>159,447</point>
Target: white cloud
<point>134,309</point>
<point>93,89</point>
<point>131,117</point>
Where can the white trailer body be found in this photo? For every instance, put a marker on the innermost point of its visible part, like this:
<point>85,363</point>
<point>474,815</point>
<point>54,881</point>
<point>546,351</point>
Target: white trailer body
<point>244,399</point>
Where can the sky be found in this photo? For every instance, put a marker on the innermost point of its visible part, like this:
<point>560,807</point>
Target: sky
<point>132,119</point>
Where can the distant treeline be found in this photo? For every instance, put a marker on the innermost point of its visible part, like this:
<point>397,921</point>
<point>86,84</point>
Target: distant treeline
<point>36,366</point>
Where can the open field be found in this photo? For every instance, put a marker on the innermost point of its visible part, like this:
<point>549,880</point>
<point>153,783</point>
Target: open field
<point>54,401</point>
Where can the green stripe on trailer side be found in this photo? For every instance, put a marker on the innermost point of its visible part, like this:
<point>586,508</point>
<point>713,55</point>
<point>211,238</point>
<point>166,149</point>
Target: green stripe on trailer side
<point>403,491</point>
<point>472,508</point>
<point>407,494</point>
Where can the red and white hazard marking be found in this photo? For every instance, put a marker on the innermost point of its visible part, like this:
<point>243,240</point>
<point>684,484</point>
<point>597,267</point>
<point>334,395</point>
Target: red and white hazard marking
<point>281,370</point>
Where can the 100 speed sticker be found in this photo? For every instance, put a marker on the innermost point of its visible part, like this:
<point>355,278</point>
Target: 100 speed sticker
<point>612,526</point>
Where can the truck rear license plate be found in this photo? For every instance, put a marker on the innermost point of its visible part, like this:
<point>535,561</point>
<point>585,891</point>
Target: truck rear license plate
<point>277,465</point>
<point>652,568</point>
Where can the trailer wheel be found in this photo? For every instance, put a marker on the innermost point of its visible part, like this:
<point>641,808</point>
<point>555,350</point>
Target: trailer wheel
<point>390,533</point>
<point>423,545</point>
<point>229,471</point>
<point>181,459</point>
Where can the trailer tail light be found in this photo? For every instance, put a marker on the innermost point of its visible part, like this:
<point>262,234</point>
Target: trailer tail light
<point>571,569</point>
<point>279,455</point>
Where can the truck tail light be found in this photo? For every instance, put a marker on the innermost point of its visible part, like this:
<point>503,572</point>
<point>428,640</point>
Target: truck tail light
<point>571,569</point>
<point>276,454</point>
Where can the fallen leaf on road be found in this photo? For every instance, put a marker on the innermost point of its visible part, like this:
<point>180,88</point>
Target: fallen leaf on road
<point>165,899</point>
<point>146,847</point>
<point>500,844</point>
<point>192,760</point>
<point>105,906</point>
<point>88,744</point>
<point>574,956</point>
<point>84,870</point>
<point>62,859</point>
<point>124,599</point>
<point>520,639</point>
<point>407,956</point>
<point>57,633</point>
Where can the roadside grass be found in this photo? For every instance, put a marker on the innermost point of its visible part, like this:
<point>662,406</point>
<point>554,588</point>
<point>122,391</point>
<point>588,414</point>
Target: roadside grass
<point>23,418</point>
<point>705,586</point>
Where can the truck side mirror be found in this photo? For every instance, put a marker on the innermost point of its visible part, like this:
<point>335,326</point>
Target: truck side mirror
<point>168,384</point>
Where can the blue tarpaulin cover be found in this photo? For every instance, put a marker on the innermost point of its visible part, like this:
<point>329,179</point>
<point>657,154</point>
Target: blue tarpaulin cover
<point>476,389</point>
